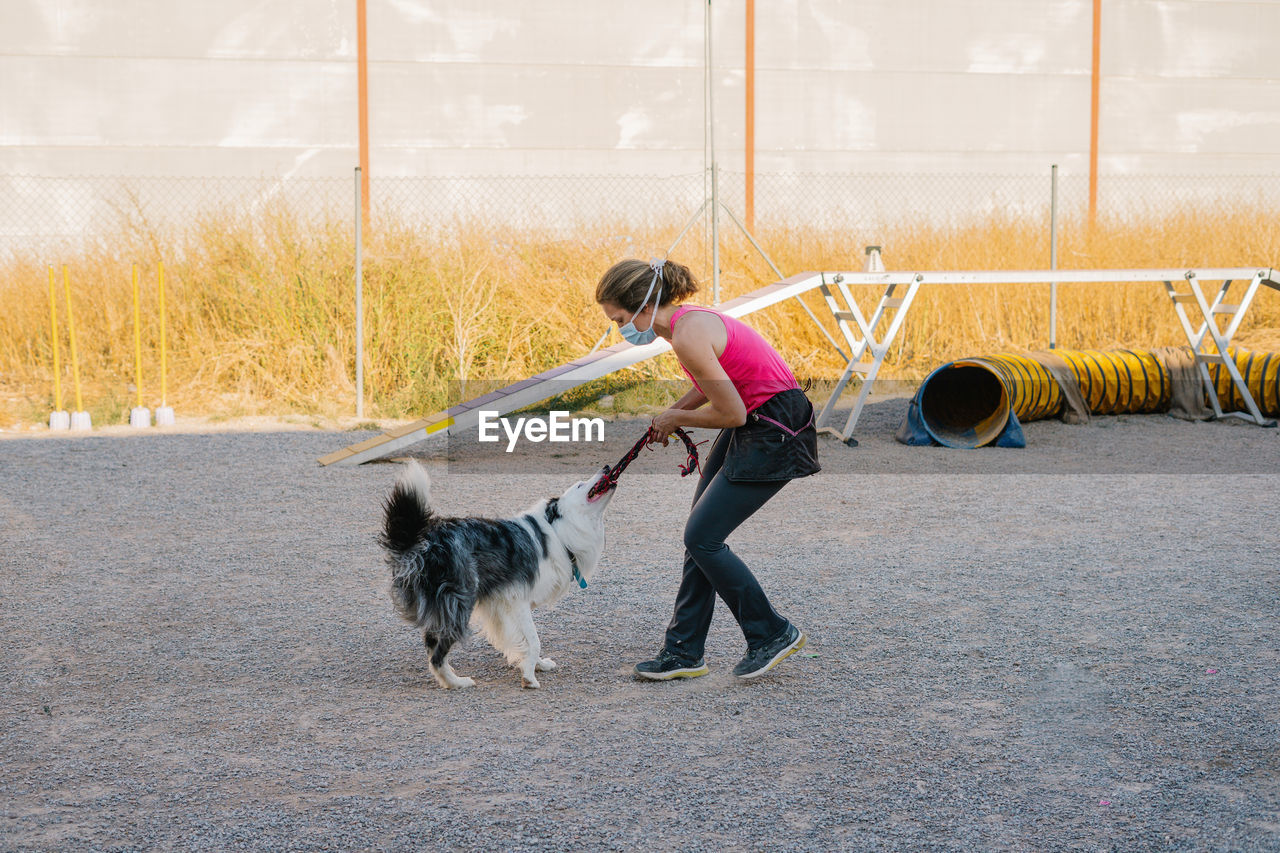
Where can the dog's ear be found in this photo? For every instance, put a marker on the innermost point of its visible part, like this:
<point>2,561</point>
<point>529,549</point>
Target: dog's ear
<point>552,512</point>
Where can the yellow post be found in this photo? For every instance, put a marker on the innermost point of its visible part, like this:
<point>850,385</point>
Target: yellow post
<point>164,377</point>
<point>137,339</point>
<point>53,341</point>
<point>71,329</point>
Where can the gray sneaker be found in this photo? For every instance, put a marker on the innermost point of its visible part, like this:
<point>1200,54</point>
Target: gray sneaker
<point>667,666</point>
<point>761,660</point>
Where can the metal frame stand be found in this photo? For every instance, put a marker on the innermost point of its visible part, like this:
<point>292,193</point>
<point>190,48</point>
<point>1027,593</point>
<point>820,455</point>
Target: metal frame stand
<point>863,344</point>
<point>1221,339</point>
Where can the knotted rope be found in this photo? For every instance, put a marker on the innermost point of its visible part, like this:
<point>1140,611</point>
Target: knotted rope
<point>610,479</point>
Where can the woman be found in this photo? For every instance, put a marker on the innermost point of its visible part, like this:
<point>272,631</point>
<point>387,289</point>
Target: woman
<point>743,387</point>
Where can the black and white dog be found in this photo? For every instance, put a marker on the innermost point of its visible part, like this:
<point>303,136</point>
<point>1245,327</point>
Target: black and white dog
<point>445,571</point>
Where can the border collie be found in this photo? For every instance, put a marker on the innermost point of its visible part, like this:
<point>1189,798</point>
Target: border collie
<point>447,571</point>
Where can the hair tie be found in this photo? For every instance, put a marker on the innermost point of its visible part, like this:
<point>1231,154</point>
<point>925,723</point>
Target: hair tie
<point>656,264</point>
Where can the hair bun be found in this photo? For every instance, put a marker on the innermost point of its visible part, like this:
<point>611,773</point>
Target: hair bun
<point>680,283</point>
<point>626,283</point>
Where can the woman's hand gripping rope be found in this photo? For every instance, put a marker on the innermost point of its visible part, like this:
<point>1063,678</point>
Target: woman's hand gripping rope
<point>611,478</point>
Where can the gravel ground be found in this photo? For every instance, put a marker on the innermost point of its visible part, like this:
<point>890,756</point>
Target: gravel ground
<point>1071,646</point>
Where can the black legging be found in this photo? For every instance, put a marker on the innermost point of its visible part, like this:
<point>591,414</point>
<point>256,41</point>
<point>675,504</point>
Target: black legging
<point>710,568</point>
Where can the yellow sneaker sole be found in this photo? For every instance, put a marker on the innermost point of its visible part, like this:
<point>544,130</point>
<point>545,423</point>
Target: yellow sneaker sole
<point>692,672</point>
<point>795,647</point>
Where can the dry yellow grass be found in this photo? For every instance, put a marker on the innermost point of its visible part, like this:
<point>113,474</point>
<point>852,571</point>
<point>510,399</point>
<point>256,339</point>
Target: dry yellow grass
<point>261,314</point>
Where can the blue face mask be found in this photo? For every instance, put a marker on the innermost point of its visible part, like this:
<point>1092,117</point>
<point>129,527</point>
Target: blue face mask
<point>630,333</point>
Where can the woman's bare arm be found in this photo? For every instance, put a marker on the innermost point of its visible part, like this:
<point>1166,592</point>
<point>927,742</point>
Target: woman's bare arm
<point>723,408</point>
<point>692,399</point>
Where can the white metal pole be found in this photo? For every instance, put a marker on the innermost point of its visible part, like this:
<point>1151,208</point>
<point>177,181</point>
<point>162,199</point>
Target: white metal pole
<point>1053,255</point>
<point>711,144</point>
<point>359,303</point>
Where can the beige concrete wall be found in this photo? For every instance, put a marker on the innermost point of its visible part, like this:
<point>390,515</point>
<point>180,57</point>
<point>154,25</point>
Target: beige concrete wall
<point>573,86</point>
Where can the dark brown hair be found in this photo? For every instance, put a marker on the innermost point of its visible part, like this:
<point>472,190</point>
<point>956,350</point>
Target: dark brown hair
<point>626,282</point>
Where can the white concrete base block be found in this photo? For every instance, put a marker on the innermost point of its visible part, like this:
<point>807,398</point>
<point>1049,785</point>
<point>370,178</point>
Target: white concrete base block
<point>140,417</point>
<point>80,421</point>
<point>164,416</point>
<point>59,420</point>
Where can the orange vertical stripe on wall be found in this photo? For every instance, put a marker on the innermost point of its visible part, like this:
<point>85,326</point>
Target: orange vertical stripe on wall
<point>1093,110</point>
<point>362,75</point>
<point>750,153</point>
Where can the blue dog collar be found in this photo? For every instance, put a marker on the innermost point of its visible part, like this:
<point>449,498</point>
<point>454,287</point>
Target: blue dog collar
<point>577,575</point>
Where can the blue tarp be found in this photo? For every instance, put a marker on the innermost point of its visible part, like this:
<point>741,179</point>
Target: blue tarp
<point>915,432</point>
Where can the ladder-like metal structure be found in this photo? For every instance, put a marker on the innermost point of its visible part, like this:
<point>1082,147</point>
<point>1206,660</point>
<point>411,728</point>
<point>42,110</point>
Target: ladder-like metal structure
<point>862,342</point>
<point>1221,339</point>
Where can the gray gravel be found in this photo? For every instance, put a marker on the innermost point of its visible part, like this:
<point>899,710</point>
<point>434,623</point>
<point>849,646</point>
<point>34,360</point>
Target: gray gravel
<point>1069,646</point>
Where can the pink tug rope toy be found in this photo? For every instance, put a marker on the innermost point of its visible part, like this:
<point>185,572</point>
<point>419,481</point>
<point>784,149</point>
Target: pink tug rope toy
<point>611,477</point>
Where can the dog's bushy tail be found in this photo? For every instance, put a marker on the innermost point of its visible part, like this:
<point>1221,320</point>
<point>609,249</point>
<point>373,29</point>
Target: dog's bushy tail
<point>408,514</point>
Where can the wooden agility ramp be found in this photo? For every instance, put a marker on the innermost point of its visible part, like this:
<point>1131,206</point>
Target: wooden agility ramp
<point>551,382</point>
<point>868,340</point>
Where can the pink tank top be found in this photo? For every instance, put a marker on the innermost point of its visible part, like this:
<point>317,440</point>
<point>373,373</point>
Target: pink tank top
<point>754,367</point>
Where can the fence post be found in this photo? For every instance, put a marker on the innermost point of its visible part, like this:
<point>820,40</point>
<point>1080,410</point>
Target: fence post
<point>1053,255</point>
<point>359,302</point>
<point>711,146</point>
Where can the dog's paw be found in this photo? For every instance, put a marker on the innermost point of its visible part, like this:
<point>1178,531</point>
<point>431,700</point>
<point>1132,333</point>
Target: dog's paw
<point>530,683</point>
<point>461,682</point>
<point>545,665</point>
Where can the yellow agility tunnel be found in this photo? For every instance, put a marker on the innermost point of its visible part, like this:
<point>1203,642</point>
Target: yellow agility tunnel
<point>967,403</point>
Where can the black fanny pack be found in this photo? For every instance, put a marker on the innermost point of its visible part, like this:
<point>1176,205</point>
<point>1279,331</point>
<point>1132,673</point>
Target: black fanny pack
<point>778,441</point>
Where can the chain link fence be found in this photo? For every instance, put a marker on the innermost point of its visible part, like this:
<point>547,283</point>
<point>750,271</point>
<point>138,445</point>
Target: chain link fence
<point>45,215</point>
<point>42,215</point>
